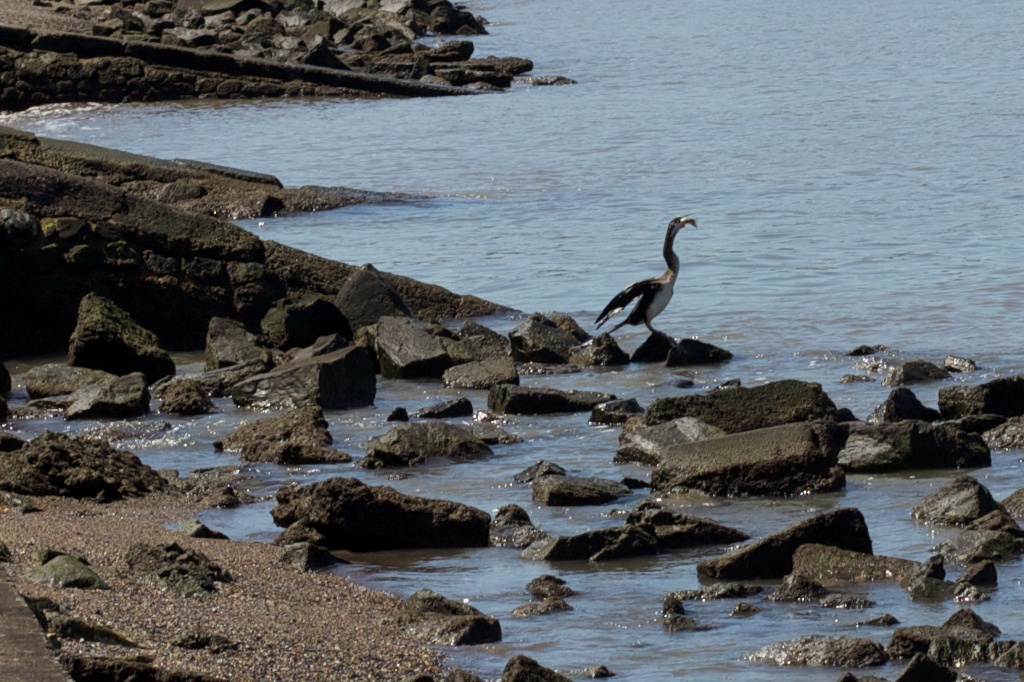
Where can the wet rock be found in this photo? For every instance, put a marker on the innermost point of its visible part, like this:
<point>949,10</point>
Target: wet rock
<point>676,531</point>
<point>187,572</point>
<point>492,434</point>
<point>924,668</point>
<point>843,652</point>
<point>957,503</point>
<point>655,348</point>
<point>456,407</point>
<point>512,527</point>
<point>540,468</point>
<point>433,619</point>
<point>652,444</point>
<point>344,513</point>
<point>482,374</point>
<point>957,364</point>
<point>597,672</point>
<point>744,610</point>
<point>979,423</point>
<point>407,350</point>
<point>66,571</point>
<point>185,396</point>
<point>689,352</point>
<point>107,338</point>
<point>52,380</point>
<point>745,409</point>
<point>980,574</point>
<point>877,448</point>
<point>411,444</point>
<point>972,634</point>
<point>524,669</point>
<point>1003,396</point>
<point>124,397</point>
<point>367,295</point>
<point>971,546</point>
<point>513,399</point>
<point>797,588</point>
<point>885,620</point>
<point>543,339</point>
<point>1006,436</point>
<point>597,545</point>
<point>547,586</point>
<point>299,321</point>
<point>475,343</point>
<point>574,491</point>
<point>228,344</point>
<point>719,591</point>
<point>219,382</point>
<point>615,411</point>
<point>601,351</point>
<point>339,380</point>
<point>1014,504</point>
<point>845,601</point>
<point>783,460</point>
<point>927,582</point>
<point>772,556</point>
<point>1012,658</point>
<point>298,436</point>
<point>544,607</point>
<point>399,414</point>
<point>830,564</point>
<point>997,519</point>
<point>913,372</point>
<point>305,556</point>
<point>57,464</point>
<point>902,404</point>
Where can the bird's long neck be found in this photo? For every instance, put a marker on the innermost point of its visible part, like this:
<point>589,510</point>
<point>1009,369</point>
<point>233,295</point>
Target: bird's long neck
<point>671,259</point>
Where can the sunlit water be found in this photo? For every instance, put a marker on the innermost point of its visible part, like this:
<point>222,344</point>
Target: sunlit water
<point>856,173</point>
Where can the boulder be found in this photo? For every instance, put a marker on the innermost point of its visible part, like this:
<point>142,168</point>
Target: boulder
<point>615,411</point>
<point>545,340</point>
<point>601,351</point>
<point>456,407</point>
<point>575,491</point>
<point>597,545</point>
<point>829,565</point>
<point>339,380</point>
<point>344,513</point>
<point>474,343</point>
<point>677,531</point>
<point>66,571</point>
<point>772,557</point>
<point>957,503</point>
<point>955,363</point>
<point>973,545</point>
<point>745,409</point>
<point>297,322</point>
<point>512,527</point>
<point>185,572</point>
<point>651,444</point>
<point>524,669</point>
<point>547,586</point>
<point>784,460</point>
<point>367,295</point>
<point>406,349</point>
<point>1007,435</point>
<point>433,619</point>
<point>107,338</point>
<point>514,399</point>
<point>482,374</point>
<point>911,444</point>
<point>1014,503</point>
<point>229,344</point>
<point>197,529</point>
<point>902,404</point>
<point>123,398</point>
<point>184,396</point>
<point>51,380</point>
<point>914,372</point>
<point>413,443</point>
<point>57,464</point>
<point>689,352</point>
<point>980,574</point>
<point>1003,396</point>
<point>655,348</point>
<point>842,652</point>
<point>975,635</point>
<point>298,436</point>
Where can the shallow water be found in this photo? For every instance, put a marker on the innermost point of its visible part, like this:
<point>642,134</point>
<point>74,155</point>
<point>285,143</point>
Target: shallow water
<point>856,174</point>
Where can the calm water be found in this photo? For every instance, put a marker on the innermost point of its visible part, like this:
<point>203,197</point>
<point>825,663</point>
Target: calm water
<point>856,171</point>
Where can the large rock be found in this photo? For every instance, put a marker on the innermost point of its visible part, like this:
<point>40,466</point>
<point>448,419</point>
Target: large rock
<point>228,344</point>
<point>298,322</point>
<point>876,448</point>
<point>772,556</point>
<point>525,669</point>
<point>414,443</point>
<point>688,352</point>
<point>184,396</point>
<point>596,545</point>
<point>339,380</point>
<point>651,444</point>
<point>601,351</point>
<point>1007,435</point>
<point>1004,396</point>
<point>367,295</point>
<point>185,572</point>
<point>744,409</point>
<point>964,625</point>
<point>406,349</point>
<point>474,343</point>
<point>913,372</point>
<point>843,652</point>
<point>575,491</point>
<point>677,531</point>
<point>515,399</point>
<point>50,380</point>
<point>482,374</point>
<point>123,398</point>
<point>344,513</point>
<point>957,503</point>
<point>56,464</point>
<point>433,619</point>
<point>297,436</point>
<point>828,564</point>
<point>783,460</point>
<point>67,571</point>
<point>973,545</point>
<point>107,338</point>
<point>547,340</point>
<point>903,404</point>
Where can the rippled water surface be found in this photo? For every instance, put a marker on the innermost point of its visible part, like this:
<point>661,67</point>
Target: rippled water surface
<point>856,170</point>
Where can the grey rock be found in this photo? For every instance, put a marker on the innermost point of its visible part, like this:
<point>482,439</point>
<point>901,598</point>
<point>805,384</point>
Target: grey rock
<point>829,564</point>
<point>305,556</point>
<point>456,407</point>
<point>957,364</point>
<point>123,398</point>
<point>913,372</point>
<point>1006,436</point>
<point>651,444</point>
<point>512,527</point>
<point>544,607</point>
<point>597,545</point>
<point>197,529</point>
<point>482,374</point>
<point>1014,503</point>
<point>186,572</point>
<point>797,588</point>
<point>972,546</point>
<point>718,591</point>
<point>66,571</point>
<point>615,411</point>
<point>547,586</point>
<point>475,343</point>
<point>492,434</point>
<point>677,531</point>
<point>228,344</point>
<point>543,339</point>
<point>601,351</point>
<point>297,436</point>
<point>513,399</point>
<point>911,444</point>
<point>52,380</point>
<point>367,295</point>
<point>433,619</point>
<point>414,443</point>
<point>540,468</point>
<point>339,380</point>
<point>923,668</point>
<point>406,349</point>
<point>902,404</point>
<point>574,491</point>
<point>299,322</point>
<point>842,651</point>
<point>1003,396</point>
<point>980,574</point>
<point>185,396</point>
<point>688,352</point>
<point>957,503</point>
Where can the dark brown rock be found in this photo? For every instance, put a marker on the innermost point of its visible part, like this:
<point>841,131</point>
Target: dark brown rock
<point>903,404</point>
<point>876,448</point>
<point>514,399</point>
<point>228,344</point>
<point>367,295</point>
<point>574,491</point>
<point>829,564</point>
<point>676,531</point>
<point>406,349</point>
<point>957,503</point>
<point>524,669</point>
<point>543,339</point>
<point>547,586</point>
<point>339,380</point>
<point>52,380</point>
<point>914,371</point>
<point>123,398</point>
<point>615,411</point>
<point>601,351</point>
<point>298,322</point>
<point>414,443</point>
<point>432,619</point>
<point>688,352</point>
<point>298,436</point>
<point>1003,396</point>
<point>597,545</point>
<point>184,396</point>
<point>456,407</point>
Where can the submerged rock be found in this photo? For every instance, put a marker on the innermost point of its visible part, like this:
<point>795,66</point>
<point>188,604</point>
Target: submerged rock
<point>843,652</point>
<point>676,531</point>
<point>413,443</point>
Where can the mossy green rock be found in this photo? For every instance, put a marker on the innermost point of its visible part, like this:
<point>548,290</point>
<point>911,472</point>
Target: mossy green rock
<point>67,571</point>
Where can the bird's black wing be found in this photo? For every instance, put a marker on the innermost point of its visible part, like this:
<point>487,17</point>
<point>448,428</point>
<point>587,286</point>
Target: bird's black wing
<point>623,298</point>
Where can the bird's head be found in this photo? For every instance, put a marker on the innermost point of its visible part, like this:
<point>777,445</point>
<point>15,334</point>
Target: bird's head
<point>679,222</point>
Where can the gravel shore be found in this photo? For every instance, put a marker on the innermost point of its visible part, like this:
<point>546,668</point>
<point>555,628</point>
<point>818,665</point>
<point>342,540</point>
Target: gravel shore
<point>287,625</point>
